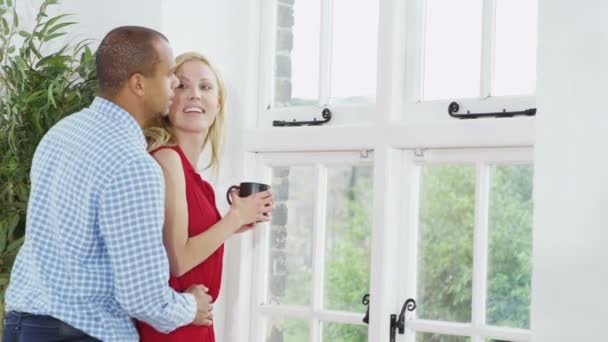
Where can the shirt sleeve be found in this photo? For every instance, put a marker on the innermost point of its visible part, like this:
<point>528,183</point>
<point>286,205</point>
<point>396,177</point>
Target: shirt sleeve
<point>131,218</point>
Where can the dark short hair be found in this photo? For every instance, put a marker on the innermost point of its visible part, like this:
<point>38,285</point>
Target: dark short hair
<point>124,51</point>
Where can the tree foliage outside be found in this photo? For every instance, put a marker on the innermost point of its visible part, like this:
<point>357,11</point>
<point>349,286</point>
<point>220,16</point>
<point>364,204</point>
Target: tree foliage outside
<point>442,338</point>
<point>447,212</point>
<point>40,84</point>
<point>446,227</point>
<point>510,246</point>
<point>347,251</point>
<point>445,242</point>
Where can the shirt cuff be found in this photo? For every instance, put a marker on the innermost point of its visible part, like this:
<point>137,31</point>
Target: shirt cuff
<point>191,306</point>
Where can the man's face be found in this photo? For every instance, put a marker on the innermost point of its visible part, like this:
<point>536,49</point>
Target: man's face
<point>159,86</point>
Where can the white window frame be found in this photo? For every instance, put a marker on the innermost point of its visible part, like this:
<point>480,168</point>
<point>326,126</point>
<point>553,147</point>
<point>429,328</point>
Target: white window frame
<point>342,113</point>
<point>417,110</point>
<point>482,159</point>
<point>389,128</point>
<point>315,313</point>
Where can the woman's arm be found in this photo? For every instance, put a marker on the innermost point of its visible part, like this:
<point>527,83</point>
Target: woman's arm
<point>186,252</point>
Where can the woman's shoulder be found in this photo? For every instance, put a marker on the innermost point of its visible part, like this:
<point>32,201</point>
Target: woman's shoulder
<point>168,157</point>
<point>164,147</point>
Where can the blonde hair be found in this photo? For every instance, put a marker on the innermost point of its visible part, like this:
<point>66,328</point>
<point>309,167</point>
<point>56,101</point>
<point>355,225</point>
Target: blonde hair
<point>161,133</point>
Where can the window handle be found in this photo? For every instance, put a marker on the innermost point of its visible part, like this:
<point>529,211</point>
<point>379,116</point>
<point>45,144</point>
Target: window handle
<point>399,323</point>
<point>326,114</point>
<point>365,301</point>
<point>454,107</point>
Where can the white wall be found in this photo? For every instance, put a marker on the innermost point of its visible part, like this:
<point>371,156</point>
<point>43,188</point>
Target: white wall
<point>570,275</point>
<point>96,18</point>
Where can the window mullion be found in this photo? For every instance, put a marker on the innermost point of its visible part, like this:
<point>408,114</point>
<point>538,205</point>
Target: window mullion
<point>415,32</point>
<point>487,49</point>
<point>325,52</point>
<point>480,248</point>
<point>261,238</point>
<point>318,250</point>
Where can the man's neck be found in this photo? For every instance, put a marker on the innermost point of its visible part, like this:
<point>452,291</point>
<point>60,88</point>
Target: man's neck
<point>127,103</point>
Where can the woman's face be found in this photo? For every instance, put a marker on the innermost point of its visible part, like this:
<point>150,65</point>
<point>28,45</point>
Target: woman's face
<point>196,102</point>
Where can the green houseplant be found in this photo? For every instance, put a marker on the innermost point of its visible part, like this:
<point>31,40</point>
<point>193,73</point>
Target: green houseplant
<point>40,83</point>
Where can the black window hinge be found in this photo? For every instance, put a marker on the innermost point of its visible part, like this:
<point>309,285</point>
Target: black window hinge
<point>326,114</point>
<point>454,107</point>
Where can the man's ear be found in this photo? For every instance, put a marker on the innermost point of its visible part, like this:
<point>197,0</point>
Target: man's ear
<point>136,84</point>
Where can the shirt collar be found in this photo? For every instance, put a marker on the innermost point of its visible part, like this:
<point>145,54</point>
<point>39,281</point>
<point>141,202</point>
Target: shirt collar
<point>123,117</point>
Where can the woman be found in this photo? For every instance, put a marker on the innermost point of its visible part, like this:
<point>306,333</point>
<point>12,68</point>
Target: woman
<point>194,231</point>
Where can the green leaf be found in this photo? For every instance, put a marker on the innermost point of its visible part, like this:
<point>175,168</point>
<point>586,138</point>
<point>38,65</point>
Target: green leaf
<point>21,64</point>
<point>60,26</point>
<point>15,16</point>
<point>14,245</point>
<point>33,48</point>
<point>3,234</point>
<point>53,20</point>
<point>24,34</point>
<point>9,3</point>
<point>53,36</point>
<point>5,26</point>
<point>51,97</point>
<point>8,228</point>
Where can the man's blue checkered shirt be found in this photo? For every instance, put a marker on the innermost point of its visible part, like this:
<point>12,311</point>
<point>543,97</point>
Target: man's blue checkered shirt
<point>93,255</point>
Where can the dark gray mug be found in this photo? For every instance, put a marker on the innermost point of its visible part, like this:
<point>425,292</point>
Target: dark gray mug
<point>246,189</point>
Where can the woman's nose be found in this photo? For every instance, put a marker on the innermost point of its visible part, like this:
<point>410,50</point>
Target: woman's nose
<point>195,94</point>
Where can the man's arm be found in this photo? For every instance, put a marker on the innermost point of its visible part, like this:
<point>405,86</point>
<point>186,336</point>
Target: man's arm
<point>131,220</point>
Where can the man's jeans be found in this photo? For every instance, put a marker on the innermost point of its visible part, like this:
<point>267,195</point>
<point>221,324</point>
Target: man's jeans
<point>24,327</point>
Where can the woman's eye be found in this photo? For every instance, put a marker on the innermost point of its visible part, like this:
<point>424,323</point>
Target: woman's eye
<point>181,86</point>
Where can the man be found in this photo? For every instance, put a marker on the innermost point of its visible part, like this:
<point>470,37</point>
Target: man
<point>93,256</point>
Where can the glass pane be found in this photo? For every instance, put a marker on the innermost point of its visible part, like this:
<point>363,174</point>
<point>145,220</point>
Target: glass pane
<point>290,259</point>
<point>429,337</point>
<point>510,246</point>
<point>452,56</point>
<point>336,332</point>
<point>288,330</point>
<point>347,245</point>
<point>354,50</point>
<point>445,242</point>
<point>515,47</point>
<point>297,53</point>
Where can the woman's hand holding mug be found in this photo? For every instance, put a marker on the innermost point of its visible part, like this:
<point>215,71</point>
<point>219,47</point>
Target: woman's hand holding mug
<point>252,203</point>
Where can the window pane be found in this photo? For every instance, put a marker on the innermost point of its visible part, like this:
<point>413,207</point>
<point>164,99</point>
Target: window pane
<point>515,47</point>
<point>429,337</point>
<point>510,246</point>
<point>354,50</point>
<point>347,245</point>
<point>287,330</point>
<point>445,242</point>
<point>290,259</point>
<point>297,53</point>
<point>452,58</point>
<point>336,332</point>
